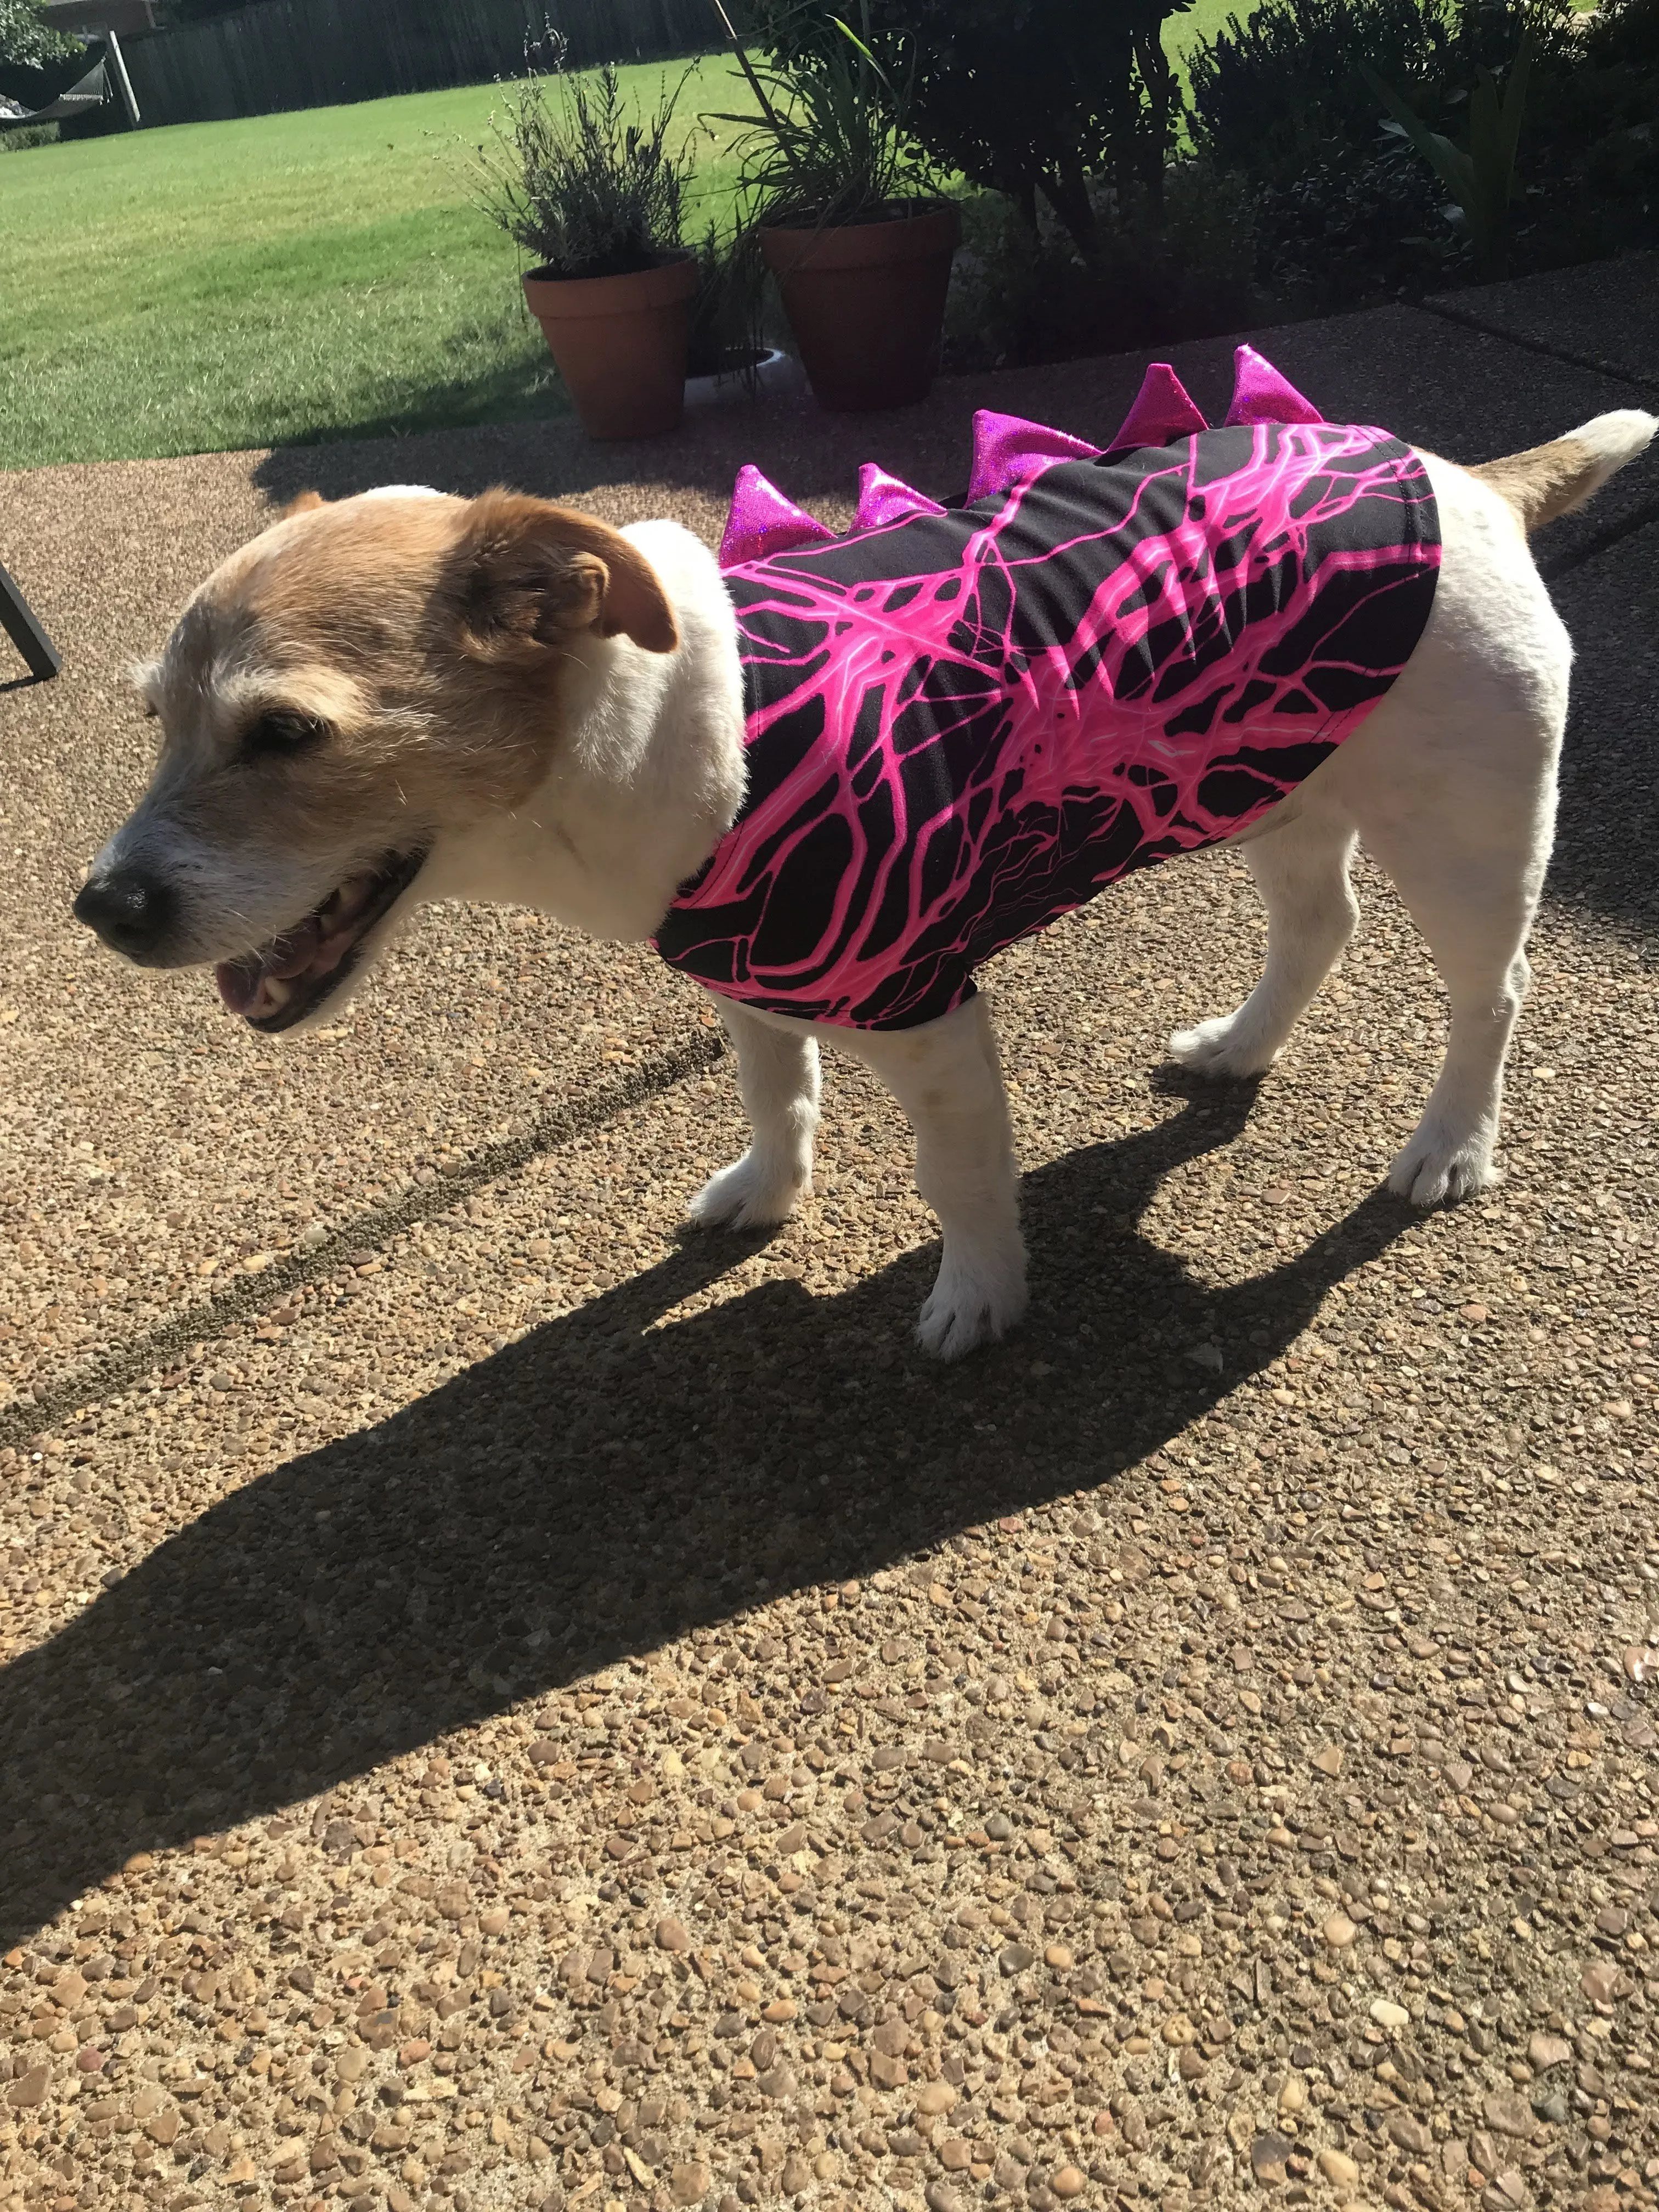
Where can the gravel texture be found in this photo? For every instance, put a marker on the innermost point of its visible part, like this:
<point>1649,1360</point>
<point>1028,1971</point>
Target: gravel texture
<point>520,1707</point>
<point>1605,315</point>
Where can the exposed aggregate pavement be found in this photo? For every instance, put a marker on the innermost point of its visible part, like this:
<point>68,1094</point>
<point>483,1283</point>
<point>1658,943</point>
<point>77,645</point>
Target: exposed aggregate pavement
<point>515,1705</point>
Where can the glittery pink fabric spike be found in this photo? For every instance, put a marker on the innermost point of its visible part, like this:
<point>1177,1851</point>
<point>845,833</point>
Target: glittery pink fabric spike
<point>1008,451</point>
<point>1261,394</point>
<point>1163,411</point>
<point>762,521</point>
<point>883,500</point>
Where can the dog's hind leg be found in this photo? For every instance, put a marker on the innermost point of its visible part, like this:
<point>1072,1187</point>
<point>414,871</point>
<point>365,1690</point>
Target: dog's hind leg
<point>1452,785</point>
<point>1471,888</point>
<point>1301,870</point>
<point>778,1077</point>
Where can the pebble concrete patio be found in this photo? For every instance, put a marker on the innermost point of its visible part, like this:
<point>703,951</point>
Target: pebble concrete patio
<point>506,1703</point>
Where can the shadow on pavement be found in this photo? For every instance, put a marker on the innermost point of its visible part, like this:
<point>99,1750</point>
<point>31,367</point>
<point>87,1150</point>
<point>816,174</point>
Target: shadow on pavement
<point>605,1484</point>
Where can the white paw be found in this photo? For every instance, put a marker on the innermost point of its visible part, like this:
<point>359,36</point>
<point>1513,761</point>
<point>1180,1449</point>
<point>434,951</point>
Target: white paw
<point>1222,1049</point>
<point>1436,1166</point>
<point>974,1302</point>
<point>753,1193</point>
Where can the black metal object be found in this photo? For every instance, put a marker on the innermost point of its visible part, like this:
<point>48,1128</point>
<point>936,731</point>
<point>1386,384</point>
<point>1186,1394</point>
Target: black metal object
<point>18,618</point>
<point>90,91</point>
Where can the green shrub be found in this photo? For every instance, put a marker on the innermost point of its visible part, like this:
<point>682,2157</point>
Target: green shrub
<point>1350,232</point>
<point>1285,88</point>
<point>1023,97</point>
<point>1014,301</point>
<point>1348,214</point>
<point>1591,141</point>
<point>36,62</point>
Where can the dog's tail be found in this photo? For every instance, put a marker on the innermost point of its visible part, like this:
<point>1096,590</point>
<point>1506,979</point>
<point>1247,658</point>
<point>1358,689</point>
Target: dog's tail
<point>1547,481</point>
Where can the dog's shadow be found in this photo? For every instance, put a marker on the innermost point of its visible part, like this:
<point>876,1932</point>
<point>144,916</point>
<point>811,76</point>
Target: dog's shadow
<point>614,1478</point>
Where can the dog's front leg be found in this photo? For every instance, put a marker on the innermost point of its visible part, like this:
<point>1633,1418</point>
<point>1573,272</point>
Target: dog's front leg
<point>946,1078</point>
<point>778,1076</point>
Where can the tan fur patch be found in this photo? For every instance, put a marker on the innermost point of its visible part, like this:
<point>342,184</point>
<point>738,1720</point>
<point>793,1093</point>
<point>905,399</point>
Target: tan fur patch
<point>539,570</point>
<point>426,639</point>
<point>1544,481</point>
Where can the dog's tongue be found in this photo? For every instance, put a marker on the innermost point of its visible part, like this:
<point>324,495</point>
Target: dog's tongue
<point>254,984</point>
<point>238,983</point>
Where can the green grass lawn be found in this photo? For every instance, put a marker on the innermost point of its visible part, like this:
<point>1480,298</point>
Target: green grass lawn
<point>289,277</point>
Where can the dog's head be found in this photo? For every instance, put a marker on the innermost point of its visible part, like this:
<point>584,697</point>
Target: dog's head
<point>361,681</point>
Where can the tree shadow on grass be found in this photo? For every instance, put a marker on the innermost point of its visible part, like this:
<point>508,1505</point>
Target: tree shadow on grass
<point>520,396</point>
<point>613,1480</point>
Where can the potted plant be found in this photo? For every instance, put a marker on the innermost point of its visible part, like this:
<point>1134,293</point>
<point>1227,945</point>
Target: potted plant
<point>730,357</point>
<point>593,197</point>
<point>861,246</point>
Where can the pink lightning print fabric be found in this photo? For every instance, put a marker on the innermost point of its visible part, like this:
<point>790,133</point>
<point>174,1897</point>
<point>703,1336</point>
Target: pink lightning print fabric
<point>963,722</point>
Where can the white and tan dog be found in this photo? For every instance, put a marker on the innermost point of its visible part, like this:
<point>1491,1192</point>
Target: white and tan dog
<point>405,697</point>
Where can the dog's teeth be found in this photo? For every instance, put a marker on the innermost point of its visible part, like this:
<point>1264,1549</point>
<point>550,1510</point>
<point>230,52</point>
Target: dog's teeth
<point>275,992</point>
<point>349,902</point>
<point>297,950</point>
<point>330,952</point>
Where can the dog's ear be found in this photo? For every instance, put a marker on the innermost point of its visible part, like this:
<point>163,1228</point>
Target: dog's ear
<point>529,575</point>
<point>302,503</point>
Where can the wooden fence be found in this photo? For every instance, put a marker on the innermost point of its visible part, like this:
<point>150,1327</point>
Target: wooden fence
<point>280,54</point>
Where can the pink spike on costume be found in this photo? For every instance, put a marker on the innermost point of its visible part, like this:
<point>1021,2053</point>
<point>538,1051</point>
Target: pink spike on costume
<point>1261,394</point>
<point>1162,411</point>
<point>883,500</point>
<point>762,521</point>
<point>1008,451</point>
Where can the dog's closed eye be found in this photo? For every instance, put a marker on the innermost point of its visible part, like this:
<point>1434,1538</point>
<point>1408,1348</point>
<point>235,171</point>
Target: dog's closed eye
<point>283,730</point>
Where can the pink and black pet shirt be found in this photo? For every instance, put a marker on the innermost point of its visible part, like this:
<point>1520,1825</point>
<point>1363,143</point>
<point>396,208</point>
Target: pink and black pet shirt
<point>962,722</point>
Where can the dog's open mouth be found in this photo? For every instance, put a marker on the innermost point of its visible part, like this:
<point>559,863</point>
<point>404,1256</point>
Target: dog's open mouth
<point>285,979</point>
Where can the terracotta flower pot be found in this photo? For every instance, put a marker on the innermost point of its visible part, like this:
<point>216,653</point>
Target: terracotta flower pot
<point>620,343</point>
<point>866,303</point>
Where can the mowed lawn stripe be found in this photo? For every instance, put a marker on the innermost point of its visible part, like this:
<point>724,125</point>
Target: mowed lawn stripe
<point>285,277</point>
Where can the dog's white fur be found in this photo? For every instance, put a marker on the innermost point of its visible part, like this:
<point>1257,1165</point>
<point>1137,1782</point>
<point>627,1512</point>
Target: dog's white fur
<point>1449,784</point>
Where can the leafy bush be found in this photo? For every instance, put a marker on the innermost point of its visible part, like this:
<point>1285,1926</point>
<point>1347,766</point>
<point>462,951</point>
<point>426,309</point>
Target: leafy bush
<point>1285,88</point>
<point>1347,214</point>
<point>36,62</point>
<point>831,143</point>
<point>1013,302</point>
<point>578,184</point>
<point>1347,232</point>
<point>1592,138</point>
<point>1023,97</point>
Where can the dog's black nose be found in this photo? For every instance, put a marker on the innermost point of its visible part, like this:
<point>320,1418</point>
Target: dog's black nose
<point>132,911</point>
